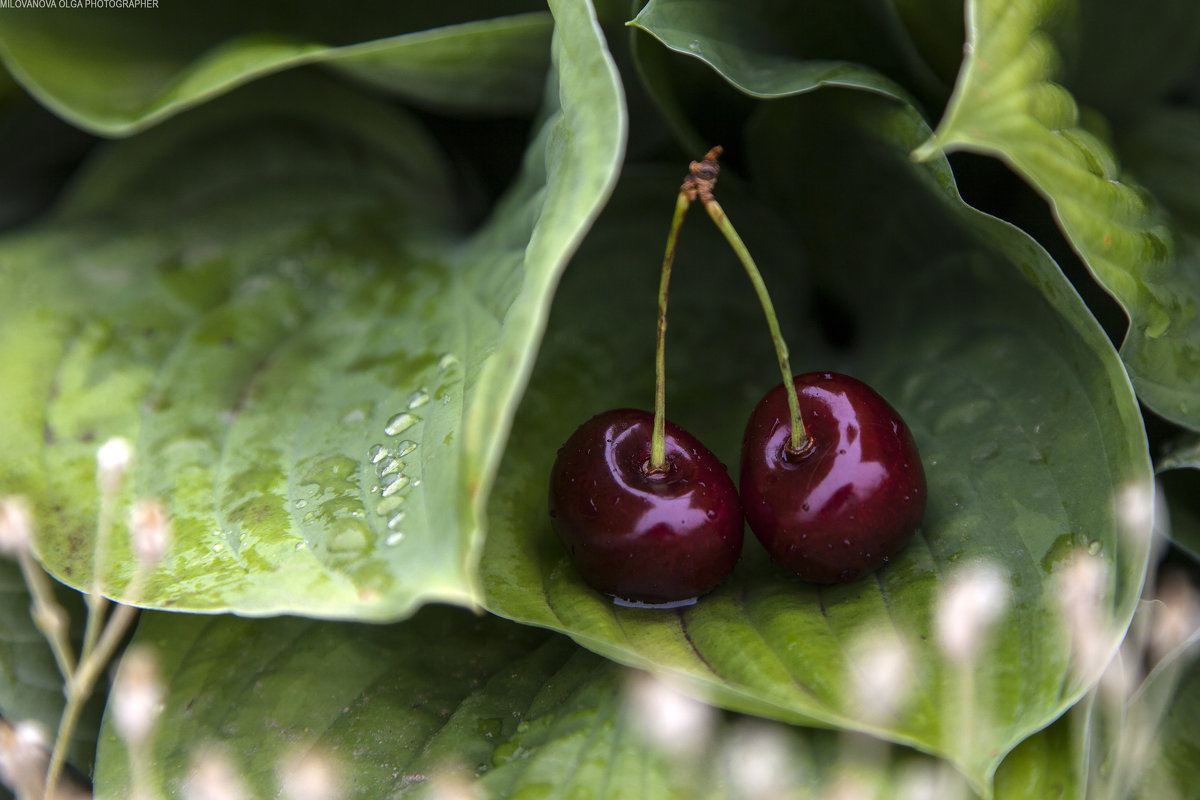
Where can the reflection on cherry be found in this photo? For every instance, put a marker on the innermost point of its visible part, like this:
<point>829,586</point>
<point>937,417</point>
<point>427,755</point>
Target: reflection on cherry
<point>851,499</point>
<point>640,535</point>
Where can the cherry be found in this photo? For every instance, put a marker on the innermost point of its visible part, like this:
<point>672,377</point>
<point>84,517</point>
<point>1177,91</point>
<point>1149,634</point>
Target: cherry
<point>852,496</point>
<point>639,534</point>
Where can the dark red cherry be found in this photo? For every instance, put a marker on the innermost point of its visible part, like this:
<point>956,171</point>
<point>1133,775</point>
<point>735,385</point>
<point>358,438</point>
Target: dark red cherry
<point>640,535</point>
<point>850,501</point>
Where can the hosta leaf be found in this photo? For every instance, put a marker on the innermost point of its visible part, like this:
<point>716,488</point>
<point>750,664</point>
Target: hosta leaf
<point>316,367</point>
<point>115,72</point>
<point>1179,477</point>
<point>768,50</point>
<point>446,699</point>
<point>1007,104</point>
<point>1170,697</point>
<point>1051,764</point>
<point>1027,425</point>
<point>765,50</point>
<point>30,684</point>
<point>397,710</point>
<point>1148,746</point>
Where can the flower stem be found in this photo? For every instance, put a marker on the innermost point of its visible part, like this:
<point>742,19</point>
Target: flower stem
<point>658,446</point>
<point>48,615</point>
<point>798,441</point>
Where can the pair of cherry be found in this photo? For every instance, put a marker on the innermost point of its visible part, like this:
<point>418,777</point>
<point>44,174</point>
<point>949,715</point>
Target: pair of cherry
<point>831,481</point>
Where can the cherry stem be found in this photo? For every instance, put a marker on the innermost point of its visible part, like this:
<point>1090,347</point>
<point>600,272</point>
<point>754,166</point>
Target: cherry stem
<point>658,444</point>
<point>799,441</point>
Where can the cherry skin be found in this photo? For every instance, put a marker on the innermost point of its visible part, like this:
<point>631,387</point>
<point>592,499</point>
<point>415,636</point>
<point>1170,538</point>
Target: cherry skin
<point>849,501</point>
<point>639,535</point>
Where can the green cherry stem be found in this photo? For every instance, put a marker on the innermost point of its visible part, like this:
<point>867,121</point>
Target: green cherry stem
<point>799,441</point>
<point>658,447</point>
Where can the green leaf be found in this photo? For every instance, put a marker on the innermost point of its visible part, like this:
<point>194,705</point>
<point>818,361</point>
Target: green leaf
<point>1147,746</point>
<point>447,699</point>
<point>1027,425</point>
<point>30,684</point>
<point>396,710</point>
<point>115,72</point>
<point>767,50</point>
<point>1007,104</point>
<point>1179,479</point>
<point>1052,764</point>
<point>270,297</point>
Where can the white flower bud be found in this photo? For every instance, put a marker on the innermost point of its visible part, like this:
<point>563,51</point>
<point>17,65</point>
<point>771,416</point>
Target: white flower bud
<point>24,755</point>
<point>112,460</point>
<point>16,527</point>
<point>150,529</point>
<point>137,695</point>
<point>881,672</point>
<point>1176,619</point>
<point>759,760</point>
<point>310,775</point>
<point>213,777</point>
<point>671,720</point>
<point>1082,590</point>
<point>973,601</point>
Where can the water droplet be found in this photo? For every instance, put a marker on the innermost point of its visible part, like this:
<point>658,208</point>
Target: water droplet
<point>416,483</point>
<point>446,362</point>
<point>389,504</point>
<point>394,483</point>
<point>391,466</point>
<point>399,423</point>
<point>394,539</point>
<point>301,503</point>
<point>216,548</point>
<point>1096,547</point>
<point>711,514</point>
<point>405,447</point>
<point>301,545</point>
<point>805,507</point>
<point>354,416</point>
<point>397,518</point>
<point>377,453</point>
<point>846,542</point>
<point>418,398</point>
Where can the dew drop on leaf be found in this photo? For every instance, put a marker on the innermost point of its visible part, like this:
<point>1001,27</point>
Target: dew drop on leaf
<point>418,398</point>
<point>399,423</point>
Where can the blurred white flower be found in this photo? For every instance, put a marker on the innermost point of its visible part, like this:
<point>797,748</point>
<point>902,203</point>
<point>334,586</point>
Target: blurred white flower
<point>150,532</point>
<point>759,761</point>
<point>677,724</point>
<point>881,672</point>
<point>1135,505</point>
<point>112,459</point>
<point>1176,618</point>
<point>309,775</point>
<point>16,527</point>
<point>973,600</point>
<point>137,694</point>
<point>1082,590</point>
<point>213,777</point>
